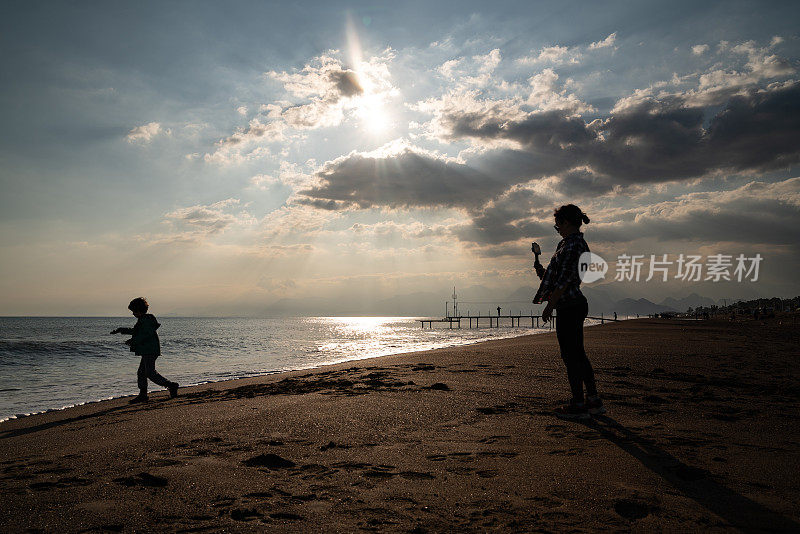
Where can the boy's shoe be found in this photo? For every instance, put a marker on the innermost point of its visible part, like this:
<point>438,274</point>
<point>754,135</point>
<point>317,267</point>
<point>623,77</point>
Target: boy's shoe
<point>173,390</point>
<point>572,411</point>
<point>594,405</point>
<point>137,399</point>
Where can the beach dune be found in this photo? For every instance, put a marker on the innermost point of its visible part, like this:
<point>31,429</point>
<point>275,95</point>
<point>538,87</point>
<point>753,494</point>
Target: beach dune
<point>702,434</point>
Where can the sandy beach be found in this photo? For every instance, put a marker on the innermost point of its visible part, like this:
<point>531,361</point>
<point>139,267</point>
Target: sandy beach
<point>702,434</point>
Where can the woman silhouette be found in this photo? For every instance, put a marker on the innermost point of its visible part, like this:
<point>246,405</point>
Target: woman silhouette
<point>560,287</point>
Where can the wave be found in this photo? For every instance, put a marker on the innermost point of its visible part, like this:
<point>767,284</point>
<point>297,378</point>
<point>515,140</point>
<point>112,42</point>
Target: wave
<point>39,347</point>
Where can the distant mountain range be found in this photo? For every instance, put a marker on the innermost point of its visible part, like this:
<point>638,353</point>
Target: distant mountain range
<point>472,300</point>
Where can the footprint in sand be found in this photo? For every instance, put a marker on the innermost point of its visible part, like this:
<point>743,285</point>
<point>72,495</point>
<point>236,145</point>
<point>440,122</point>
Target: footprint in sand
<point>632,509</point>
<point>498,454</point>
<point>258,495</point>
<point>270,461</point>
<point>492,439</point>
<point>334,445</point>
<point>244,514</point>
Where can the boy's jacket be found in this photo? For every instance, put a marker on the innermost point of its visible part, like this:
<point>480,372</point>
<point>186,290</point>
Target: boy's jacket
<point>145,340</point>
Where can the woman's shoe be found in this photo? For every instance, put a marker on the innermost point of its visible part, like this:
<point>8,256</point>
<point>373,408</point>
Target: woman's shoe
<point>173,390</point>
<point>137,399</point>
<point>572,411</point>
<point>594,405</point>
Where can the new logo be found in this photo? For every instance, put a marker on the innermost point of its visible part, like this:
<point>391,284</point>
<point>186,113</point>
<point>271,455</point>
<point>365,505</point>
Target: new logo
<point>591,267</point>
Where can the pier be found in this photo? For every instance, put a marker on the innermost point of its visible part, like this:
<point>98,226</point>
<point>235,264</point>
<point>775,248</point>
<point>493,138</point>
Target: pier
<point>494,320</point>
<point>514,320</point>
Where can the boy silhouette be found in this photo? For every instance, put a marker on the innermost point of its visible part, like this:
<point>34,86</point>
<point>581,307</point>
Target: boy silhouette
<point>145,343</point>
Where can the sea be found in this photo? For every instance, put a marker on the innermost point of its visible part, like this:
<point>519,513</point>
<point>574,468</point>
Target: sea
<point>51,363</point>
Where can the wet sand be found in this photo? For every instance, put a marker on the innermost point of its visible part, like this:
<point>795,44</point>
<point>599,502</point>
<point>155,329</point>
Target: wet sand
<point>702,434</point>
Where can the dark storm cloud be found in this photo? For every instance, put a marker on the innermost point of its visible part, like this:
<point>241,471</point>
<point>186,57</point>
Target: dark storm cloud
<point>759,131</point>
<point>653,141</point>
<point>756,213</point>
<point>404,179</point>
<point>512,216</point>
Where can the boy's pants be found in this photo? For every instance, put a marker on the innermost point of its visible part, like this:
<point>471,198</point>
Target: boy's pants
<point>569,331</point>
<point>147,369</point>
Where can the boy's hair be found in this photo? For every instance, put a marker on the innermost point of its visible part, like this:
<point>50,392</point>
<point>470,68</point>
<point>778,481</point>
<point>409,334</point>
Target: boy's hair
<point>139,304</point>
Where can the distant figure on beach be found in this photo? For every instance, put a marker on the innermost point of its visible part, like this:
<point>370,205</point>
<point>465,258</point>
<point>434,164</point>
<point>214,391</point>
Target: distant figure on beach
<point>145,343</point>
<point>615,316</point>
<point>560,287</point>
<point>498,311</point>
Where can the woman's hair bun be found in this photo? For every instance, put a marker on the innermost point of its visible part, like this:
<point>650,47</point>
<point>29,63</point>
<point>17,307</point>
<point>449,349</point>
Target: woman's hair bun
<point>571,213</point>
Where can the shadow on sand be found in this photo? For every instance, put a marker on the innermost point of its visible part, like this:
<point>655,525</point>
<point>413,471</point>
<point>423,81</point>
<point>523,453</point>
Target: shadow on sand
<point>697,484</point>
<point>52,424</point>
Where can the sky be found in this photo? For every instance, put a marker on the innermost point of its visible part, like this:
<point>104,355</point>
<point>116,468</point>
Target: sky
<point>219,158</point>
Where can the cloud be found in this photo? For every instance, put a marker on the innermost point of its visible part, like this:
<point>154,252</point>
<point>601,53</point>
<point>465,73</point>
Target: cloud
<point>557,54</point>
<point>515,214</point>
<point>472,72</point>
<point>289,174</point>
<point>329,90</point>
<point>206,220</point>
<point>755,213</point>
<point>605,43</point>
<point>323,84</point>
<point>553,55</point>
<point>324,93</point>
<point>294,221</point>
<point>323,77</point>
<point>386,232</point>
<point>402,177</point>
<point>245,144</point>
<point>448,68</point>
<point>716,86</point>
<point>735,216</point>
<point>546,96</point>
<point>144,133</point>
<point>490,61</point>
<point>699,50</point>
<point>651,141</point>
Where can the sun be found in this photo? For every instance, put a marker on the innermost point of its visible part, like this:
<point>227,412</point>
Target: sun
<point>371,106</point>
<point>372,113</point>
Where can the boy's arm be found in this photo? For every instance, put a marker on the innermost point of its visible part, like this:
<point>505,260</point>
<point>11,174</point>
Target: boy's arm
<point>128,331</point>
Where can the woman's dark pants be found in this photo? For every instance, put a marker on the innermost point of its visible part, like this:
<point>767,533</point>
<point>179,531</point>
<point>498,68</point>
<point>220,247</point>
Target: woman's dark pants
<point>147,369</point>
<point>569,330</point>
